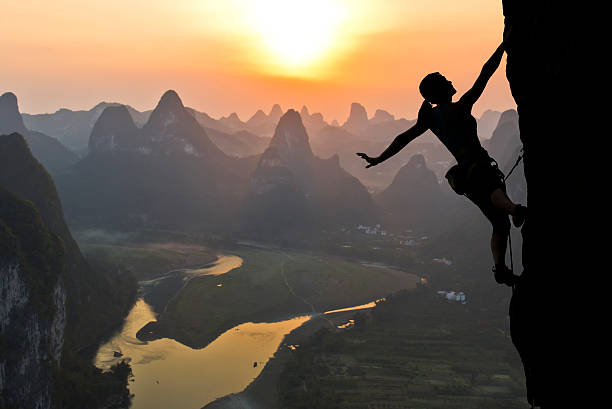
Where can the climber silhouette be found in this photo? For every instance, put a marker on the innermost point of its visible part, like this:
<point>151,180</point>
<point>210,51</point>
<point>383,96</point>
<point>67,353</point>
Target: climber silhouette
<point>476,175</point>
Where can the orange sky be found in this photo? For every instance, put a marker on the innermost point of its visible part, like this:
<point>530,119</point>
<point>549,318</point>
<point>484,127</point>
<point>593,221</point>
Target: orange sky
<point>240,55</point>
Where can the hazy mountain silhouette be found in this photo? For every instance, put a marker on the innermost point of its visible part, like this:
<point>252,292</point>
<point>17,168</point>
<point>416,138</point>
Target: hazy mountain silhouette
<point>290,177</point>
<point>240,144</point>
<point>168,173</point>
<point>505,139</point>
<point>487,123</point>
<point>232,122</point>
<point>275,114</point>
<point>381,116</point>
<point>415,199</point>
<point>73,128</point>
<point>505,146</point>
<point>313,123</point>
<point>49,151</point>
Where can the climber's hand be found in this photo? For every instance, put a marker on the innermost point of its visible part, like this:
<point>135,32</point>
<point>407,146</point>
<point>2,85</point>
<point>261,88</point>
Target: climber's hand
<point>371,161</point>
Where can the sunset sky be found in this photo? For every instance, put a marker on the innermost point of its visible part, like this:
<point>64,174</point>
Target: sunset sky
<point>241,55</point>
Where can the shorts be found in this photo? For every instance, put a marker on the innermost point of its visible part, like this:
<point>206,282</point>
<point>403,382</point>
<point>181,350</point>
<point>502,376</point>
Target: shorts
<point>477,181</point>
<point>483,180</point>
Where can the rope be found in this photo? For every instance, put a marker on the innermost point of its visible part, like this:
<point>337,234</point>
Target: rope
<point>518,160</point>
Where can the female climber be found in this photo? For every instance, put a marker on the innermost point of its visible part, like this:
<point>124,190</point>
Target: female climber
<point>476,174</point>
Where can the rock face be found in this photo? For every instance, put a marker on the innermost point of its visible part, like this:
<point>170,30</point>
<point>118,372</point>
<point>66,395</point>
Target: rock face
<point>51,300</point>
<point>32,305</point>
<point>538,63</point>
<point>49,151</point>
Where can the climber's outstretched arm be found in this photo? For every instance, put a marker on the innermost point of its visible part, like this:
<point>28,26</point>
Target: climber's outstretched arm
<point>489,68</point>
<point>402,139</point>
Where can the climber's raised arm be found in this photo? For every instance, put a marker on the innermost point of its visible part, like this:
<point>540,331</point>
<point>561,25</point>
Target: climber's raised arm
<point>402,139</point>
<point>489,68</point>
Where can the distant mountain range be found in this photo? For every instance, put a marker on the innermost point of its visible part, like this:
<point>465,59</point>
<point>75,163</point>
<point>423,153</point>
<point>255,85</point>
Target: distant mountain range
<point>142,166</point>
<point>169,173</point>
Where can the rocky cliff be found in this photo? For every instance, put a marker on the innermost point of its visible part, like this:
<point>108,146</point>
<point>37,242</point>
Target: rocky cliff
<point>538,70</point>
<point>32,305</point>
<point>54,307</point>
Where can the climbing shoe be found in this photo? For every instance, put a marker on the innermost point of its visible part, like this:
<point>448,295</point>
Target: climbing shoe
<point>519,218</point>
<point>503,275</point>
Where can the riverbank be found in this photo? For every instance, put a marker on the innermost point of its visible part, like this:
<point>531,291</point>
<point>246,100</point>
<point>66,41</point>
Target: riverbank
<point>271,285</point>
<point>262,393</point>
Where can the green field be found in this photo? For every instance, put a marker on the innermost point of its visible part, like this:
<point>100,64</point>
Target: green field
<point>144,256</point>
<point>413,351</point>
<point>272,285</point>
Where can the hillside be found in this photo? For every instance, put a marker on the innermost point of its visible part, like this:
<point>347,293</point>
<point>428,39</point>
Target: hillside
<point>78,305</point>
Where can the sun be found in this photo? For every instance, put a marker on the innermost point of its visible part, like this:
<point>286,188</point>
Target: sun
<point>297,34</point>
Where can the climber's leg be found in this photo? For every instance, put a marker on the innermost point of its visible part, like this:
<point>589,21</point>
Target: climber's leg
<point>500,200</point>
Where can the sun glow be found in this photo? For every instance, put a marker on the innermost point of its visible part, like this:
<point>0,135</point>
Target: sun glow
<point>297,34</point>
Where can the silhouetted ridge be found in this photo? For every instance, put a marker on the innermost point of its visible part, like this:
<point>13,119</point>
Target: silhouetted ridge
<point>358,118</point>
<point>382,116</point>
<point>505,140</point>
<point>170,101</point>
<point>275,113</point>
<point>113,129</point>
<point>10,118</point>
<point>290,137</point>
<point>172,129</point>
<point>414,199</point>
<point>49,151</point>
<point>258,116</point>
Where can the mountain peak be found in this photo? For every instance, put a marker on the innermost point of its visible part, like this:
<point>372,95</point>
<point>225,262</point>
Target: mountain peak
<point>114,128</point>
<point>9,99</point>
<point>10,118</point>
<point>257,118</point>
<point>291,119</point>
<point>358,118</point>
<point>509,115</point>
<point>276,110</point>
<point>382,116</point>
<point>234,117</point>
<point>170,100</point>
<point>290,136</point>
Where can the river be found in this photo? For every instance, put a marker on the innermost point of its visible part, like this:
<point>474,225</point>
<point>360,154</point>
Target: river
<point>168,374</point>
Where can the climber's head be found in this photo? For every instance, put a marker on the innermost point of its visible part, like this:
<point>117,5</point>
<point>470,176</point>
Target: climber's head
<point>436,89</point>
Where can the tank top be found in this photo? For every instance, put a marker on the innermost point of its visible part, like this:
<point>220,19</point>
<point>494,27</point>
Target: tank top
<point>456,128</point>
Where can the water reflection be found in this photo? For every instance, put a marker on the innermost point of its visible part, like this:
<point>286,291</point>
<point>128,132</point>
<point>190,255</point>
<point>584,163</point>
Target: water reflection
<point>168,374</point>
